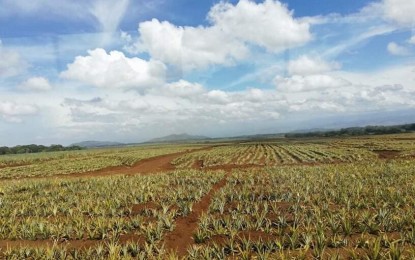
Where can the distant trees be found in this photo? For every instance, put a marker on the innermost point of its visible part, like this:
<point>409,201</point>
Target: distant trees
<point>33,148</point>
<point>355,131</point>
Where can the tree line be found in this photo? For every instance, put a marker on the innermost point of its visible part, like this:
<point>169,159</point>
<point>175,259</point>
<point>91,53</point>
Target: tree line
<point>33,148</point>
<point>355,131</point>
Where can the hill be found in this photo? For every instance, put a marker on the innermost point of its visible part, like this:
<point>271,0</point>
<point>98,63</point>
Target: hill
<point>95,144</point>
<point>357,131</point>
<point>178,138</point>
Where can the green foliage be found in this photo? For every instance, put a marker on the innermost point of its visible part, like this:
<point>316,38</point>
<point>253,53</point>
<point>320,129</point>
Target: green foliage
<point>32,148</point>
<point>357,131</point>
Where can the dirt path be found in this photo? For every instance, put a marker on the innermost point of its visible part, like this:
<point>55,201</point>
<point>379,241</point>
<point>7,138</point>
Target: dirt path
<point>387,154</point>
<point>178,240</point>
<point>181,238</point>
<point>150,165</point>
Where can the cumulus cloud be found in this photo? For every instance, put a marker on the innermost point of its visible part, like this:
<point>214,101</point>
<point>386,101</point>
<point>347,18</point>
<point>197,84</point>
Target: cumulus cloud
<point>36,84</point>
<point>400,11</point>
<point>309,74</point>
<point>218,96</point>
<point>396,49</point>
<point>182,88</point>
<point>114,70</point>
<point>189,47</point>
<point>269,24</point>
<point>298,83</point>
<point>13,112</point>
<point>412,40</point>
<point>185,105</point>
<point>306,65</point>
<point>233,28</point>
<point>11,63</point>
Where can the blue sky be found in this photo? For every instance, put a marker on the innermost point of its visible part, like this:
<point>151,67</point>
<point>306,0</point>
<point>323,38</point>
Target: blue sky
<point>133,70</point>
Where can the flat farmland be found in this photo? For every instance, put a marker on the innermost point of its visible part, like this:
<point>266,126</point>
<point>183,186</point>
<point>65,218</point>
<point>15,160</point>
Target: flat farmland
<point>327,198</point>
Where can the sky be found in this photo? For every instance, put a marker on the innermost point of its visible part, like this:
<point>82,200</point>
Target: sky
<point>129,71</point>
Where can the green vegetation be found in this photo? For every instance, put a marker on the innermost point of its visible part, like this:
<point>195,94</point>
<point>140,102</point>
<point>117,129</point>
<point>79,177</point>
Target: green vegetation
<point>33,148</point>
<point>58,163</point>
<point>334,198</point>
<point>271,154</point>
<point>317,211</point>
<point>358,131</point>
<point>100,210</point>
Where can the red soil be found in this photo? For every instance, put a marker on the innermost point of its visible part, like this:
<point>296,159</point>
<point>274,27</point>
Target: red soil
<point>182,236</point>
<point>138,208</point>
<point>151,165</point>
<point>140,240</point>
<point>387,154</point>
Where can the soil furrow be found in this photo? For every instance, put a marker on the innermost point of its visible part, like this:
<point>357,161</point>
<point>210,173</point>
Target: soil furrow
<point>161,163</point>
<point>181,238</point>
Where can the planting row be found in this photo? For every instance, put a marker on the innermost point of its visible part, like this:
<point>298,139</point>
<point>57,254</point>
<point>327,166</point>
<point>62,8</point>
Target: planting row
<point>272,154</point>
<point>47,164</point>
<point>346,211</point>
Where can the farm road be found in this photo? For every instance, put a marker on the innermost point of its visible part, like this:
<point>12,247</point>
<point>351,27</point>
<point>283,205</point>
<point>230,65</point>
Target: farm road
<point>181,238</point>
<point>161,163</point>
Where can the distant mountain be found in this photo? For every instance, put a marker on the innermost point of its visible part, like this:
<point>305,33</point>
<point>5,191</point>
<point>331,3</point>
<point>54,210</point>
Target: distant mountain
<point>314,130</point>
<point>356,131</point>
<point>178,138</point>
<point>95,144</point>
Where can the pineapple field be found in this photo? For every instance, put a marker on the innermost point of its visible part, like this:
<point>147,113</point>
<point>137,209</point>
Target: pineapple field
<point>328,198</point>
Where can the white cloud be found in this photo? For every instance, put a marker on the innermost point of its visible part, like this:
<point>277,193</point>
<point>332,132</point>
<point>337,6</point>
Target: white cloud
<point>109,13</point>
<point>401,75</point>
<point>218,96</point>
<point>412,40</point>
<point>396,49</point>
<point>188,106</point>
<point>104,15</point>
<point>309,74</point>
<point>36,84</point>
<point>298,83</point>
<point>355,40</point>
<point>233,28</point>
<point>65,8</point>
<point>13,112</point>
<point>114,70</point>
<point>188,47</point>
<point>269,24</point>
<point>400,11</point>
<point>181,88</point>
<point>305,65</point>
<point>11,63</point>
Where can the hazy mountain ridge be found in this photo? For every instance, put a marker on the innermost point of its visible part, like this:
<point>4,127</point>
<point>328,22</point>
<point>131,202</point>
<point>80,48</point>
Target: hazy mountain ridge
<point>92,144</point>
<point>178,138</point>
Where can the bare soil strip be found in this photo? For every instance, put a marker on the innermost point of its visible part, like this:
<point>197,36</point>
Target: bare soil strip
<point>150,165</point>
<point>181,237</point>
<point>387,154</point>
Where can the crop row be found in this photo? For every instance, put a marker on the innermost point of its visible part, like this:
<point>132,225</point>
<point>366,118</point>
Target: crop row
<point>273,154</point>
<point>96,209</point>
<point>363,210</point>
<point>80,161</point>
